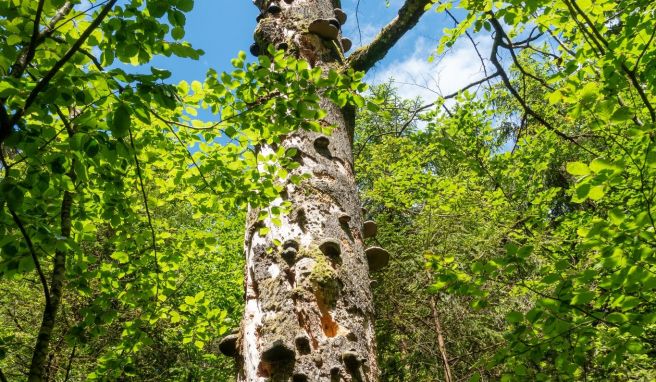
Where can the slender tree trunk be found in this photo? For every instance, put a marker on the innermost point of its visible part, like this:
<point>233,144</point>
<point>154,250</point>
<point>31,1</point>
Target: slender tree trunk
<point>37,367</point>
<point>49,319</point>
<point>440,341</point>
<point>309,310</point>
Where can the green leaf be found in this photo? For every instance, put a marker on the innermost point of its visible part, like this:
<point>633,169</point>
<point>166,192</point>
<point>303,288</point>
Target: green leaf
<point>12,195</point>
<point>581,193</point>
<point>622,114</point>
<point>120,126</point>
<point>583,298</point>
<point>617,318</point>
<point>185,5</point>
<point>577,168</point>
<point>7,89</point>
<point>91,147</point>
<point>14,39</point>
<point>121,257</point>
<point>178,33</point>
<point>601,164</point>
<point>596,192</point>
<point>616,216</point>
<point>175,317</point>
<point>514,317</point>
<point>157,8</point>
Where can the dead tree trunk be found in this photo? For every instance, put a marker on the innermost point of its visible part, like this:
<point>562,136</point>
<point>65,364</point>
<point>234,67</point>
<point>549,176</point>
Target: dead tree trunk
<point>309,310</point>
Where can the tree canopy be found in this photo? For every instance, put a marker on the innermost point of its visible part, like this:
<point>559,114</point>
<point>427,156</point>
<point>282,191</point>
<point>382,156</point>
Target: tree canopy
<point>519,211</point>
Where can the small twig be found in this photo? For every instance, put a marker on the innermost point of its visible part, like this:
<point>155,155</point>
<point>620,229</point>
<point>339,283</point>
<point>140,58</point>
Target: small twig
<point>200,171</point>
<point>150,220</point>
<point>35,259</point>
<point>357,20</point>
<point>70,363</point>
<point>651,38</point>
<point>35,31</point>
<point>449,96</point>
<point>471,39</point>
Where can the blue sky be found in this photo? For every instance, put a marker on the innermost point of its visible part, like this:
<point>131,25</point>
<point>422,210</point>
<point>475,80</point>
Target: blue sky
<point>224,27</point>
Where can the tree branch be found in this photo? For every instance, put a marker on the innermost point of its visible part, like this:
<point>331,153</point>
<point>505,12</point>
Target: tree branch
<point>27,55</point>
<point>24,59</point>
<point>499,33</point>
<point>35,259</point>
<point>41,85</point>
<point>367,56</point>
<point>603,44</point>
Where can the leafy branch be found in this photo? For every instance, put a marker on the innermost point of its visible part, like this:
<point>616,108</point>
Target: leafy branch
<point>43,83</point>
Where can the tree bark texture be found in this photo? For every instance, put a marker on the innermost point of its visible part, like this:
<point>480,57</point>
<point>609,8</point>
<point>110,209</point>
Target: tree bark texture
<point>49,319</point>
<point>309,310</point>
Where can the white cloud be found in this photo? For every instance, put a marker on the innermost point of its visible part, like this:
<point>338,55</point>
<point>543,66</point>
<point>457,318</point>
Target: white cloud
<point>414,76</point>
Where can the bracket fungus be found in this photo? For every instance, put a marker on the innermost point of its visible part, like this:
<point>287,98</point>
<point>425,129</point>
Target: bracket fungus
<point>300,377</point>
<point>344,219</point>
<point>289,250</point>
<point>346,44</point>
<point>291,243</point>
<point>289,254</point>
<point>351,359</point>
<point>330,247</point>
<point>323,28</point>
<point>274,9</point>
<point>255,49</point>
<point>377,257</point>
<point>321,143</point>
<point>369,229</point>
<point>335,23</point>
<point>278,351</point>
<point>228,345</point>
<point>303,343</point>
<point>340,15</point>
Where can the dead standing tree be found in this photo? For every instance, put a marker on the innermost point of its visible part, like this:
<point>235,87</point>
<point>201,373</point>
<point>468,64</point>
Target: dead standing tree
<point>309,309</point>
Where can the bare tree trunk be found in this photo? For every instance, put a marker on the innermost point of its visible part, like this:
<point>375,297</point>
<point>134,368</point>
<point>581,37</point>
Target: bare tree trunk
<point>440,341</point>
<point>309,310</point>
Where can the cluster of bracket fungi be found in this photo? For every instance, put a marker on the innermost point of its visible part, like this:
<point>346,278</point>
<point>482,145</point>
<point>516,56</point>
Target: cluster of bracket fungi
<point>279,351</point>
<point>325,28</point>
